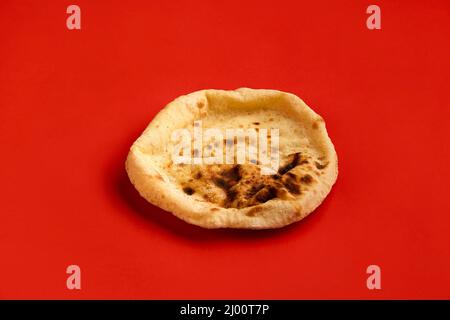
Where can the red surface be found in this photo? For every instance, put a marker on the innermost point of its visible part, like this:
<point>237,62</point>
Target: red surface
<point>72,102</point>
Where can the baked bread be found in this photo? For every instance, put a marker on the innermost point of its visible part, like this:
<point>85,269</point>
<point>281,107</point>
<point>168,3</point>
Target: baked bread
<point>298,171</point>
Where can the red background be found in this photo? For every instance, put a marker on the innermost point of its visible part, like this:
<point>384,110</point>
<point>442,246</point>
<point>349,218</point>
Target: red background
<point>72,102</point>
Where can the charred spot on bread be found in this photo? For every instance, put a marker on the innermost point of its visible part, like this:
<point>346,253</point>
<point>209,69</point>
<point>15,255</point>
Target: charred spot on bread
<point>320,166</point>
<point>292,175</point>
<point>291,184</point>
<point>188,190</point>
<point>231,195</point>
<point>266,194</point>
<point>233,173</point>
<point>220,182</point>
<point>292,164</point>
<point>306,179</point>
<point>254,189</point>
<point>198,175</point>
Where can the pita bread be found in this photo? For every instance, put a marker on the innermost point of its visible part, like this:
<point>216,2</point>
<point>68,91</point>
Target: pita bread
<point>236,195</point>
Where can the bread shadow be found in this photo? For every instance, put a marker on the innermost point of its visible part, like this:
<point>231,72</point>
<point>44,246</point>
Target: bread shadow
<point>157,217</point>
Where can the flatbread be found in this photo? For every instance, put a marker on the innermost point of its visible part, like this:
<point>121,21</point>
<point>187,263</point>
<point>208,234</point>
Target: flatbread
<point>235,195</point>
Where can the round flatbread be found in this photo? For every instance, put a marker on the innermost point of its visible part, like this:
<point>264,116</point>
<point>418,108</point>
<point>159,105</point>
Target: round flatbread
<point>246,158</point>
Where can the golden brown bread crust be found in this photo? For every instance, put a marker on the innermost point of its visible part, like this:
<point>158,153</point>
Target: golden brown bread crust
<point>236,196</point>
